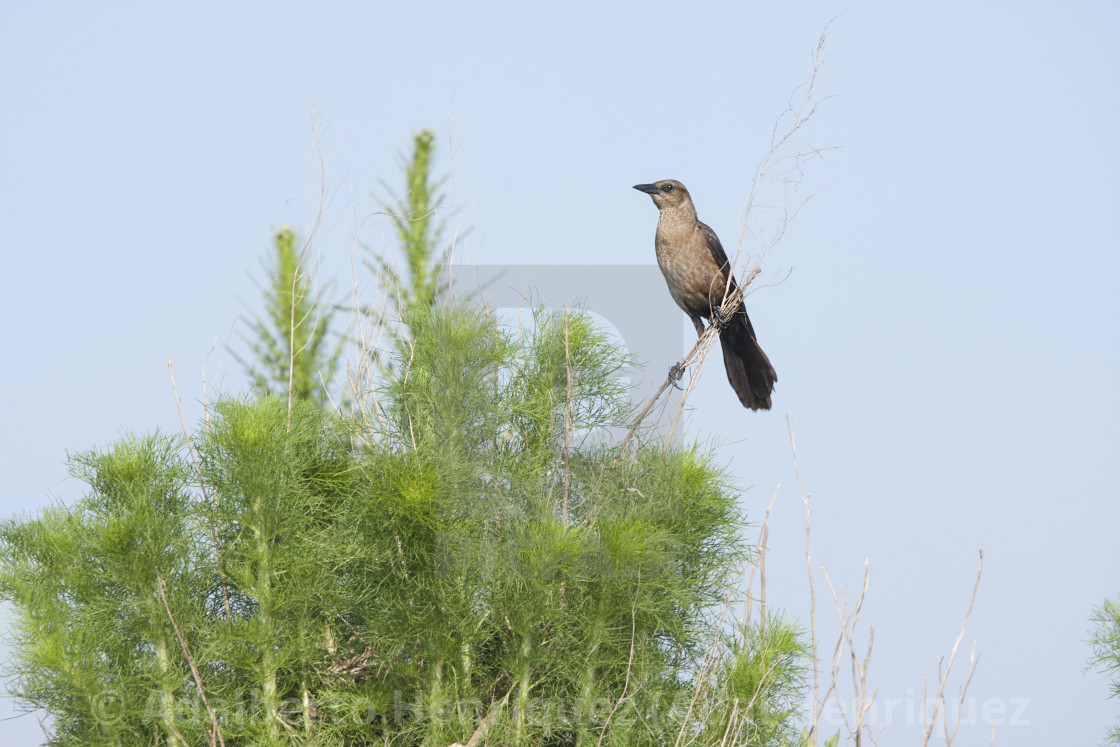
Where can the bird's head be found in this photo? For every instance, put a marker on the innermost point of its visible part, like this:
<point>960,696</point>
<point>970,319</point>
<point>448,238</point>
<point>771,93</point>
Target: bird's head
<point>667,193</point>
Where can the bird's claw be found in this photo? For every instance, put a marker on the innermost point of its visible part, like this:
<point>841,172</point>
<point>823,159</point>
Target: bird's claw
<point>676,371</point>
<point>721,318</point>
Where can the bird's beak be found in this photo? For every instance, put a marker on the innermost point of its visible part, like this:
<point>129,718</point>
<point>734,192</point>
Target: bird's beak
<point>649,189</point>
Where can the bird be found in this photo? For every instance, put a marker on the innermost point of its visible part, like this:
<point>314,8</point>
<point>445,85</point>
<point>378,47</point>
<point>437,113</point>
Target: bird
<point>699,276</point>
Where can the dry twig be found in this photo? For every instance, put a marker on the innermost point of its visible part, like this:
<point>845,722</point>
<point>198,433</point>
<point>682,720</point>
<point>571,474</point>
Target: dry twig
<point>944,675</point>
<point>215,537</point>
<point>215,731</point>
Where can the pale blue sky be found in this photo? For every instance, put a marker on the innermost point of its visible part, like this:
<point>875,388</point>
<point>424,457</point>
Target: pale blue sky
<point>946,338</point>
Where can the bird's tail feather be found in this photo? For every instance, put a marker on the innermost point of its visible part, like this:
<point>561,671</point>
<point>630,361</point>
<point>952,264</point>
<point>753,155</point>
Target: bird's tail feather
<point>748,369</point>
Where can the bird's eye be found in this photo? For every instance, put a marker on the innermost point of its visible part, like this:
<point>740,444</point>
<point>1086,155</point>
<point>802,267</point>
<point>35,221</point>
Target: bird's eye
<point>668,187</point>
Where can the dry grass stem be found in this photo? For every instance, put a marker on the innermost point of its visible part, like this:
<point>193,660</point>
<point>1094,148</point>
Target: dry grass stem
<point>780,166</point>
<point>848,615</point>
<point>296,275</point>
<point>450,263</point>
<point>704,676</point>
<point>215,730</point>
<point>760,566</point>
<point>215,536</point>
<point>359,374</point>
<point>943,677</point>
<point>629,662</point>
<point>484,726</point>
<point>567,424</point>
<point>791,425</point>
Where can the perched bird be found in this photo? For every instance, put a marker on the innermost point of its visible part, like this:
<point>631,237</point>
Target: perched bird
<point>699,275</point>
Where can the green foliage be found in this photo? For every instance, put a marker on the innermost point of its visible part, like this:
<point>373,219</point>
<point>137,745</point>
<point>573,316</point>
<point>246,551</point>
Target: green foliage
<point>480,558</point>
<point>92,638</point>
<point>420,233</point>
<point>291,342</point>
<point>1106,650</point>
<point>762,683</point>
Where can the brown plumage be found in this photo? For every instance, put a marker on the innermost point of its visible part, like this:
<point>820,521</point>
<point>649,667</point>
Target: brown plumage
<point>697,271</point>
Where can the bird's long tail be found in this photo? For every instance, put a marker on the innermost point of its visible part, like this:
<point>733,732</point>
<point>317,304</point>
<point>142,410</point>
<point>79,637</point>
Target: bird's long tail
<point>748,369</point>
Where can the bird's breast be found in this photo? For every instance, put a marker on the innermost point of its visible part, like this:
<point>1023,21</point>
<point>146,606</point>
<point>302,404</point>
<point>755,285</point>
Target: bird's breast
<point>690,275</point>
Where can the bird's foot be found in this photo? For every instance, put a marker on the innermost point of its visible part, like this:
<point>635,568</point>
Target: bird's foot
<point>676,371</point>
<point>721,318</point>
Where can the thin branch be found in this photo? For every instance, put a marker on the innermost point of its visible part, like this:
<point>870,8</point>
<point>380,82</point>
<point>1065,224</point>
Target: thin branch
<point>214,535</point>
<point>629,661</point>
<point>487,721</point>
<point>567,423</point>
<point>973,660</point>
<point>215,732</point>
<point>952,654</point>
<point>763,541</point>
<point>311,238</point>
<point>791,425</point>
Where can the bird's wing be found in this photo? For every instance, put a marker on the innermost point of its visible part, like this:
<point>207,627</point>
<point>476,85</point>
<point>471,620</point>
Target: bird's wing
<point>718,254</point>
